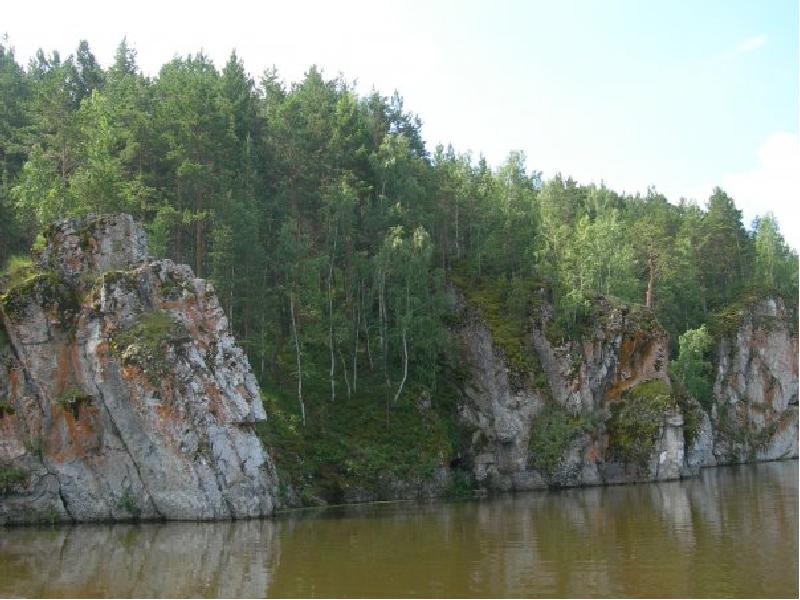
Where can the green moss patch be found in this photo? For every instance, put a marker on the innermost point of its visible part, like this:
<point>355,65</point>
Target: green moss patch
<point>146,342</point>
<point>48,290</point>
<point>507,307</point>
<point>11,476</point>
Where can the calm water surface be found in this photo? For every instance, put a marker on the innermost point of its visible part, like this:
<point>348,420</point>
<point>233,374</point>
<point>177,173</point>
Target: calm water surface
<point>731,532</point>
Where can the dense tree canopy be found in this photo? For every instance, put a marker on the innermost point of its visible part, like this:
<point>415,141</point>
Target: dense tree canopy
<point>332,232</point>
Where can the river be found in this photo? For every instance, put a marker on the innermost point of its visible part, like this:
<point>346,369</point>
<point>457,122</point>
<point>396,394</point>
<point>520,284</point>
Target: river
<point>733,531</point>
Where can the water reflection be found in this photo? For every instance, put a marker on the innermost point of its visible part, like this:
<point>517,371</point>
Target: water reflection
<point>732,532</point>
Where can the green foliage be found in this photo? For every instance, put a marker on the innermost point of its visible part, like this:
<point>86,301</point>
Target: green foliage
<point>17,270</point>
<point>635,421</point>
<point>508,308</point>
<point>5,342</point>
<point>5,407</point>
<point>11,476</point>
<point>554,429</point>
<point>692,368</point>
<point>349,445</point>
<point>461,486</point>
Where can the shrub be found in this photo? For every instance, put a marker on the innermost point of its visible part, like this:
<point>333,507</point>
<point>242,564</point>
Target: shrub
<point>554,429</point>
<point>635,421</point>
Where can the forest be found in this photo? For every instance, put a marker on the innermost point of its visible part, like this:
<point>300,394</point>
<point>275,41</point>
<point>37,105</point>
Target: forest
<point>333,236</point>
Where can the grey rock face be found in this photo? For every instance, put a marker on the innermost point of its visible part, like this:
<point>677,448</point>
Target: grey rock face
<point>499,413</point>
<point>701,451</point>
<point>129,397</point>
<point>93,244</point>
<point>754,416</point>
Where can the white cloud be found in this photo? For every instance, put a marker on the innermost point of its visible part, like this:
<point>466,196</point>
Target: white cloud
<point>751,44</point>
<point>773,186</point>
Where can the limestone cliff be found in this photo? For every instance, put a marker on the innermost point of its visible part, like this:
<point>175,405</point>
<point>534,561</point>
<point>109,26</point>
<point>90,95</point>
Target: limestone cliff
<point>564,427</point>
<point>122,392</point>
<point>754,410</point>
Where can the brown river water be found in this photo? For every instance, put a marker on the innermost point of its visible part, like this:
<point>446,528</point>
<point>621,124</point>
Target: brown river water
<point>733,531</point>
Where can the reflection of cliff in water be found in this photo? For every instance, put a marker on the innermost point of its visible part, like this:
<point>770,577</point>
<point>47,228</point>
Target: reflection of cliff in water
<point>730,532</point>
<point>225,560</point>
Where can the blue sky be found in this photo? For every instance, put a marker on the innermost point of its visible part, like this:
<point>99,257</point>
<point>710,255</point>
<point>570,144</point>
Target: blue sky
<point>680,95</point>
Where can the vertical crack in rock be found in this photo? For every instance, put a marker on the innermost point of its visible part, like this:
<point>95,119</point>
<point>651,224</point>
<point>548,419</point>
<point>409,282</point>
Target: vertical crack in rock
<point>121,437</point>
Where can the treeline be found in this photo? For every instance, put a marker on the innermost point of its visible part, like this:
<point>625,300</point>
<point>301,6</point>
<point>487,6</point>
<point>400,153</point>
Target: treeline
<point>331,231</point>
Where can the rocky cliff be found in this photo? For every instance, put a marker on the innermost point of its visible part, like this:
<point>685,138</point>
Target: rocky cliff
<point>754,411</point>
<point>596,410</point>
<point>122,392</point>
<point>599,409</point>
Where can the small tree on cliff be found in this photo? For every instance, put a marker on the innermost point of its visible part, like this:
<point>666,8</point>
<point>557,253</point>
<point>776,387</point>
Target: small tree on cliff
<point>692,368</point>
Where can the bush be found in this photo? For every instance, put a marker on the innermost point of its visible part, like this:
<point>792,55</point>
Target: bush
<point>554,429</point>
<point>635,421</point>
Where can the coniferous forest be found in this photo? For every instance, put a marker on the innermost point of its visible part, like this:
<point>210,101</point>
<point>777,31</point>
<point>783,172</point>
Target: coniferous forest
<point>333,236</point>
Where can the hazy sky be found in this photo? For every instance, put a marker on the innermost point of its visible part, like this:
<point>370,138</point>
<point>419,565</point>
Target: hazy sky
<point>679,95</point>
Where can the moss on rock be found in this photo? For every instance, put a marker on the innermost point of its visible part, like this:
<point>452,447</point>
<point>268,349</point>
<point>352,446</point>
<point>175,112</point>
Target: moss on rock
<point>507,308</point>
<point>11,476</point>
<point>553,432</point>
<point>145,342</point>
<point>46,289</point>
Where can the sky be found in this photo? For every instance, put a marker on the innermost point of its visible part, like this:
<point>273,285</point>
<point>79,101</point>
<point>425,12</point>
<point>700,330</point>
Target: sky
<point>680,95</point>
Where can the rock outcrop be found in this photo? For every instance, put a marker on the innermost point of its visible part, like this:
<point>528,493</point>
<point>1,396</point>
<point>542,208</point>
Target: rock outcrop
<point>577,396</point>
<point>754,410</point>
<point>122,392</point>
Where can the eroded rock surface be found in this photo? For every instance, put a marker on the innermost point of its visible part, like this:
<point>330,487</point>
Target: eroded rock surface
<point>124,393</point>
